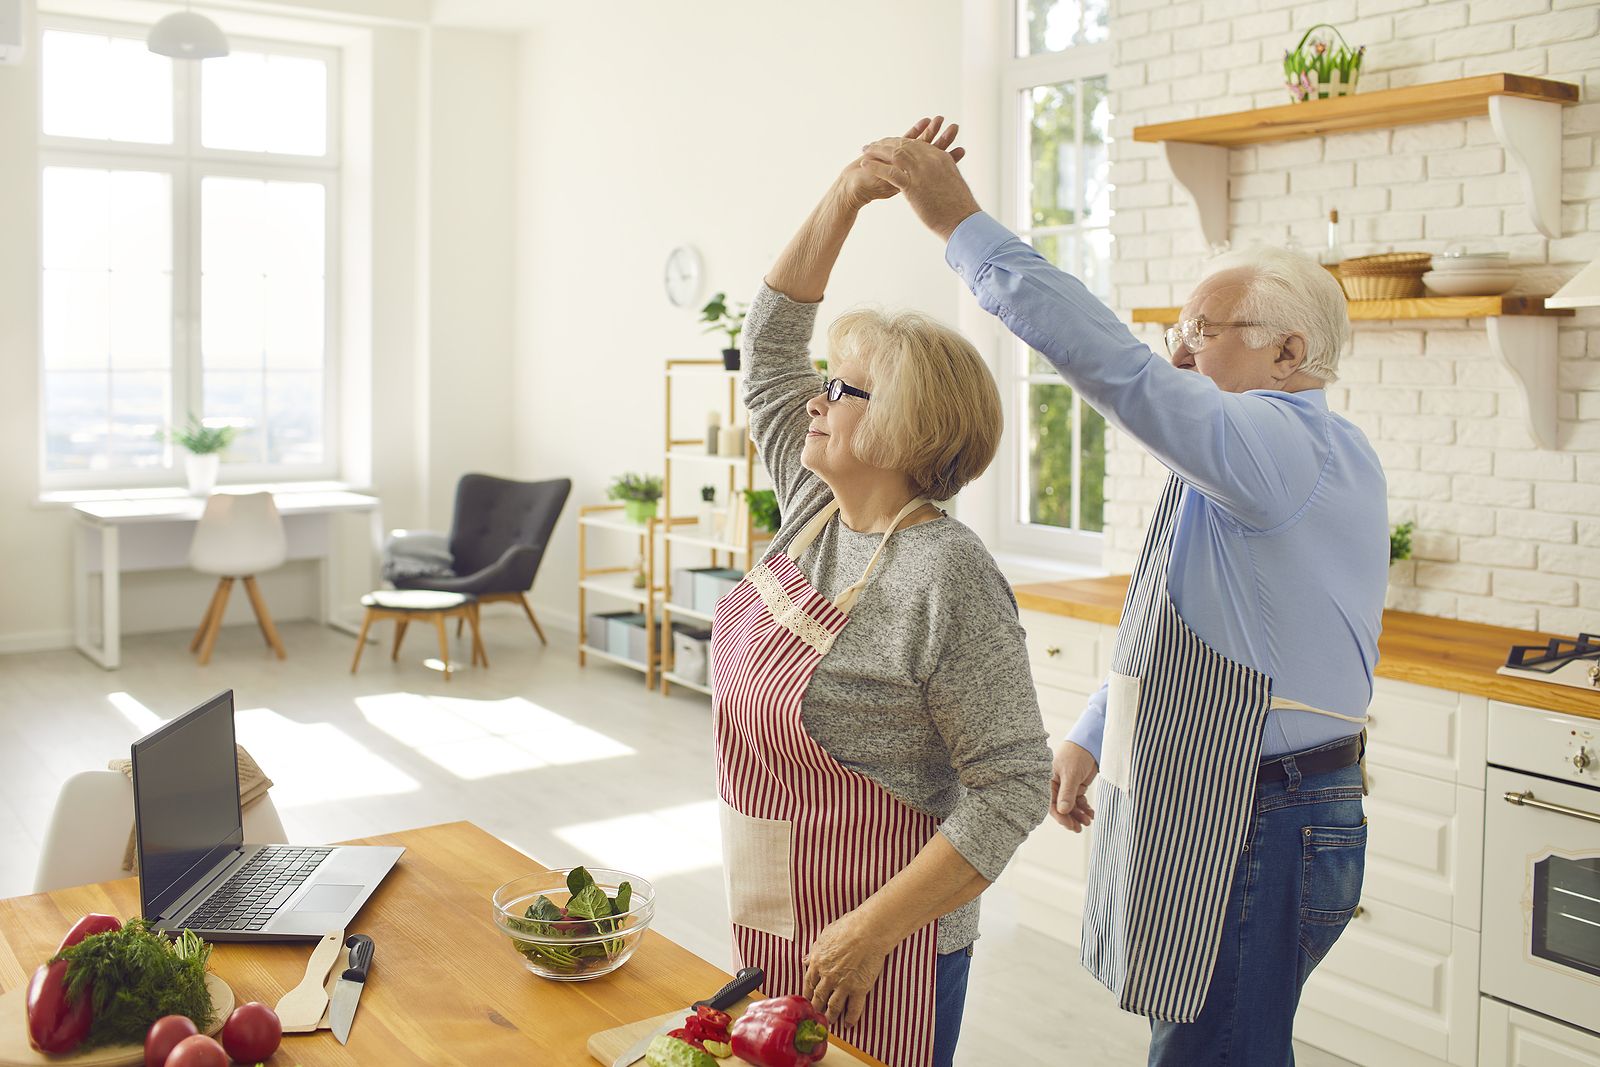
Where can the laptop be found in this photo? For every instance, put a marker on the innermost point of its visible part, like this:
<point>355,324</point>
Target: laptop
<point>196,872</point>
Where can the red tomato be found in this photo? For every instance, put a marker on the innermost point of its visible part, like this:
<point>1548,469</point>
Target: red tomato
<point>164,1033</point>
<point>252,1032</point>
<point>197,1051</point>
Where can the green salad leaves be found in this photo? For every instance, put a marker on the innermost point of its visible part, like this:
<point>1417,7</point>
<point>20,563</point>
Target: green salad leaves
<point>587,918</point>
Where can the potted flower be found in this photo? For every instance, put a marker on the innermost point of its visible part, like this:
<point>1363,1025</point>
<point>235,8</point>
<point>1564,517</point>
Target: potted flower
<point>639,494</point>
<point>763,509</point>
<point>1320,70</point>
<point>722,317</point>
<point>1400,541</point>
<point>205,445</point>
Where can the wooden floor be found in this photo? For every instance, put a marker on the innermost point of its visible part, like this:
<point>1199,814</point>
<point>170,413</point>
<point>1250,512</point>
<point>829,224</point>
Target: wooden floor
<point>568,765</point>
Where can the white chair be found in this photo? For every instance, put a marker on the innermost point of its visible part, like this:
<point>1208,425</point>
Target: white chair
<point>239,536</point>
<point>88,833</point>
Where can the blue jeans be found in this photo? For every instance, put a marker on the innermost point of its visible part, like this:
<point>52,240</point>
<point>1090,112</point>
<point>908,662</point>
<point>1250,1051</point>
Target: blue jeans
<point>1294,890</point>
<point>949,998</point>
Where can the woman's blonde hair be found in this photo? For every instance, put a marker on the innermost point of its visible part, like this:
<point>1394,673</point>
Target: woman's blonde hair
<point>935,410</point>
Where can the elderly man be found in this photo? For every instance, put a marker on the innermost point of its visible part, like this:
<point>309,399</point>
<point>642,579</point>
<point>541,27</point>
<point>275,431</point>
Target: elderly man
<point>1230,840</point>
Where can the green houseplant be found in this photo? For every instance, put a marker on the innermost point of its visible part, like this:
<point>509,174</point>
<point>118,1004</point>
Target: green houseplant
<point>722,317</point>
<point>763,509</point>
<point>1400,541</point>
<point>205,445</point>
<point>1321,69</point>
<point>639,493</point>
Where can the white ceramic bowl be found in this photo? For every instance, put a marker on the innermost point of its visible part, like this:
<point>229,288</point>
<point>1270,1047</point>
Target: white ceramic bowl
<point>1473,261</point>
<point>1470,282</point>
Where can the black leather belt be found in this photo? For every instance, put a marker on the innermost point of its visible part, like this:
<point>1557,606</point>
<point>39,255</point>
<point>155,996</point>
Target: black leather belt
<point>1320,761</point>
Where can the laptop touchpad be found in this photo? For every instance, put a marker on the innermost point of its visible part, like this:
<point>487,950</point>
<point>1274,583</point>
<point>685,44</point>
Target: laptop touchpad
<point>328,898</point>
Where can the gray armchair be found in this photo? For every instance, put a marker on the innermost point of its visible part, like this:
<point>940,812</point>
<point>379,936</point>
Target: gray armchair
<point>497,540</point>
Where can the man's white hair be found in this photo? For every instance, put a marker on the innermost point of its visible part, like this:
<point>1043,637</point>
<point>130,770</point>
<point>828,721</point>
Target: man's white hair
<point>1290,294</point>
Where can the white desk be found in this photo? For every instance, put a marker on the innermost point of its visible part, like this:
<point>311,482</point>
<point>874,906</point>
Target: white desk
<point>142,534</point>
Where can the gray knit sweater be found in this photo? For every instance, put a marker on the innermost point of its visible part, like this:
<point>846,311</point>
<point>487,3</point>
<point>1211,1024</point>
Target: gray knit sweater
<point>927,690</point>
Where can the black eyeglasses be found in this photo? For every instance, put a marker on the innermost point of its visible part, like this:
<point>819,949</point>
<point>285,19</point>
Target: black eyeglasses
<point>836,389</point>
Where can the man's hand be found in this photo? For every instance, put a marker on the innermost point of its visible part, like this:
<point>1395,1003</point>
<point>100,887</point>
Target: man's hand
<point>861,187</point>
<point>844,964</point>
<point>928,177</point>
<point>1070,776</point>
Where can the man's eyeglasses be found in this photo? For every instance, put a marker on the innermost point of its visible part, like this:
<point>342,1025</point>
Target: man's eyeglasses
<point>836,389</point>
<point>1191,333</point>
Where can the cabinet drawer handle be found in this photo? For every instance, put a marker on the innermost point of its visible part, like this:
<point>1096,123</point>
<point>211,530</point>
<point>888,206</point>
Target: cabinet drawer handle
<point>1526,799</point>
<point>1360,911</point>
<point>1053,651</point>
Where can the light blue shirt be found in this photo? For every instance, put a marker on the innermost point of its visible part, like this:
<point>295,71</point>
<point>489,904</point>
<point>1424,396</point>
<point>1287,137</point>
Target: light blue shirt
<point>1280,557</point>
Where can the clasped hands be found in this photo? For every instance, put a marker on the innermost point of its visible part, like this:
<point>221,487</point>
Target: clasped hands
<point>922,164</point>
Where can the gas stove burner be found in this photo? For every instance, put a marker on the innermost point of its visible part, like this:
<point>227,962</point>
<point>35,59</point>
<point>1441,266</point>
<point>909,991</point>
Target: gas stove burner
<point>1555,654</point>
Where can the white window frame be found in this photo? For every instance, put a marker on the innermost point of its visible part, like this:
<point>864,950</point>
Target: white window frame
<point>1018,74</point>
<point>188,163</point>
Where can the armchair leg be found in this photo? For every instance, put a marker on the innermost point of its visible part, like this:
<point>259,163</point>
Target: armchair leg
<point>523,597</point>
<point>361,642</point>
<point>264,617</point>
<point>400,625</point>
<point>223,589</point>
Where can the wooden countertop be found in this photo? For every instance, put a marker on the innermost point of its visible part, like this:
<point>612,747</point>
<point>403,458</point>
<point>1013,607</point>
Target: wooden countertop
<point>446,986</point>
<point>1443,653</point>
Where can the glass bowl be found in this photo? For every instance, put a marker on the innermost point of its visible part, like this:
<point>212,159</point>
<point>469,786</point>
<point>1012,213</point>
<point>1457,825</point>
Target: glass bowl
<point>557,945</point>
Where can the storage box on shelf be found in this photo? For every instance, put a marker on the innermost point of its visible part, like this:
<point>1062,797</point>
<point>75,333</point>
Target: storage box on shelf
<point>689,594</point>
<point>609,634</point>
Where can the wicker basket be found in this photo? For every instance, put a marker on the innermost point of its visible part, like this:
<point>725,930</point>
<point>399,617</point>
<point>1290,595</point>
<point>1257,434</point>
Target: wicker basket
<point>1391,276</point>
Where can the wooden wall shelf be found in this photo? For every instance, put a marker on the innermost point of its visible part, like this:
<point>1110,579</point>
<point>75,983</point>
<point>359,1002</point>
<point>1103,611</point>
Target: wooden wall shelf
<point>1521,332</point>
<point>1378,110</point>
<point>1525,113</point>
<point>1428,307</point>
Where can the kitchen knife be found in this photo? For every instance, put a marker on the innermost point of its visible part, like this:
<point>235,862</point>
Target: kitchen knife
<point>743,984</point>
<point>348,992</point>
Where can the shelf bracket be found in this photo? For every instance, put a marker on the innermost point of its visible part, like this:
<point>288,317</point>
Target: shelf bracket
<point>1202,170</point>
<point>1530,132</point>
<point>1526,344</point>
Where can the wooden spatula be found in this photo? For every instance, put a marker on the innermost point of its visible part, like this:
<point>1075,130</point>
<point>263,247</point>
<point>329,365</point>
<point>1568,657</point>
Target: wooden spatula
<point>301,1008</point>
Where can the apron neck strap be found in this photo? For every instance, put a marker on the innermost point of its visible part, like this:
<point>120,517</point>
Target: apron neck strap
<point>847,599</point>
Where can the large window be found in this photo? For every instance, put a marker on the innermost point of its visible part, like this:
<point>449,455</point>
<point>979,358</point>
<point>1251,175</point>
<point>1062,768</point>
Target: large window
<point>185,256</point>
<point>1058,197</point>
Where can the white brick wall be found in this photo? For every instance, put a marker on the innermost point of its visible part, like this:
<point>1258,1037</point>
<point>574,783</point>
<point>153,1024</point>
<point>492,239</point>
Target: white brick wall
<point>1506,533</point>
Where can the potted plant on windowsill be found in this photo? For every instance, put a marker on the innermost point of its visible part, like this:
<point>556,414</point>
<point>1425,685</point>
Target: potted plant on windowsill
<point>722,317</point>
<point>639,493</point>
<point>204,445</point>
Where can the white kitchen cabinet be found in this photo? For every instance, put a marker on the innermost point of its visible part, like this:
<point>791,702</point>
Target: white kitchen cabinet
<point>1512,1037</point>
<point>1424,845</point>
<point>1399,989</point>
<point>1437,733</point>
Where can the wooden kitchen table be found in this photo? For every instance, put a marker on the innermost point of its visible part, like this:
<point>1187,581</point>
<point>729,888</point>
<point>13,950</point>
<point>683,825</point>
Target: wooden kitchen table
<point>446,986</point>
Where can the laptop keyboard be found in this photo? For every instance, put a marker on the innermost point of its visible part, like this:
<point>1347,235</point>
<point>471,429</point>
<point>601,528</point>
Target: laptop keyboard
<point>248,900</point>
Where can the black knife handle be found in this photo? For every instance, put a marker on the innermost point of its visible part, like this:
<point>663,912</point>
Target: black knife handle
<point>360,958</point>
<point>744,983</point>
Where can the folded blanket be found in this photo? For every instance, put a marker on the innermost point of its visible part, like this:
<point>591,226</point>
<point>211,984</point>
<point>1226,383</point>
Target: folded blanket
<point>416,554</point>
<point>253,785</point>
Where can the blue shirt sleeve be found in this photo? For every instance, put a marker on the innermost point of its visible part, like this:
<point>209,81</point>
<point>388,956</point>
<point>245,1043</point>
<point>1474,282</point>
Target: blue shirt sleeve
<point>1090,729</point>
<point>1251,453</point>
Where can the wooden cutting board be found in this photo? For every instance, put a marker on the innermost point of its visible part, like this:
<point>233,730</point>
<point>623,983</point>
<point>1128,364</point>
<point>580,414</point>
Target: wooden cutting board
<point>607,1045</point>
<point>16,1052</point>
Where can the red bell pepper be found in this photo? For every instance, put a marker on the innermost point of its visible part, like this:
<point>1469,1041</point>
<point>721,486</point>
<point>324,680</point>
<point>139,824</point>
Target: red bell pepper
<point>782,1032</point>
<point>54,1024</point>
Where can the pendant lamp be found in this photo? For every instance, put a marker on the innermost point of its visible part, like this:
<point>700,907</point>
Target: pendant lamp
<point>186,35</point>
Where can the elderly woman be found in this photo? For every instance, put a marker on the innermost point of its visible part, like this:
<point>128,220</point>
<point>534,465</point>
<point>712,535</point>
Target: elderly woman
<point>1229,836</point>
<point>879,744</point>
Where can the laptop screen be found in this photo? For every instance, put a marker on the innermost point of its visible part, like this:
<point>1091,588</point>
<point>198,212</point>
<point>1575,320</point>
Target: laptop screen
<point>186,801</point>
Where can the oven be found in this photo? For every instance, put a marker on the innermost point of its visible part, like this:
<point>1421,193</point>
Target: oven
<point>1541,882</point>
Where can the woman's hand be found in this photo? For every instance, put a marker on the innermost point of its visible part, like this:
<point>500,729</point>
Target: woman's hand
<point>1074,768</point>
<point>844,964</point>
<point>861,187</point>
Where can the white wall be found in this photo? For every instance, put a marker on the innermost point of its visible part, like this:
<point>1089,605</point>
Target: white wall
<point>1506,533</point>
<point>649,128</point>
<point>428,319</point>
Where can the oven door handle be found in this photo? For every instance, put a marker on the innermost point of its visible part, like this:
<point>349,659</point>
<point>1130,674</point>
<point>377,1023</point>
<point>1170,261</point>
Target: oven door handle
<point>1527,799</point>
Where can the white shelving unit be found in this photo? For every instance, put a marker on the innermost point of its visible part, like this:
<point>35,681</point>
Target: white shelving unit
<point>616,583</point>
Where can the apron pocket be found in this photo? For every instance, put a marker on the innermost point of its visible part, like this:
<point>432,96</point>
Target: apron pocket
<point>1116,745</point>
<point>757,857</point>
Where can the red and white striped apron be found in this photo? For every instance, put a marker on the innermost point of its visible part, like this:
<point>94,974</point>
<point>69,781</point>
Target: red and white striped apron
<point>805,839</point>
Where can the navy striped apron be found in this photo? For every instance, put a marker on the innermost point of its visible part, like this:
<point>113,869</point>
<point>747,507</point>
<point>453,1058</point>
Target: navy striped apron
<point>1183,736</point>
